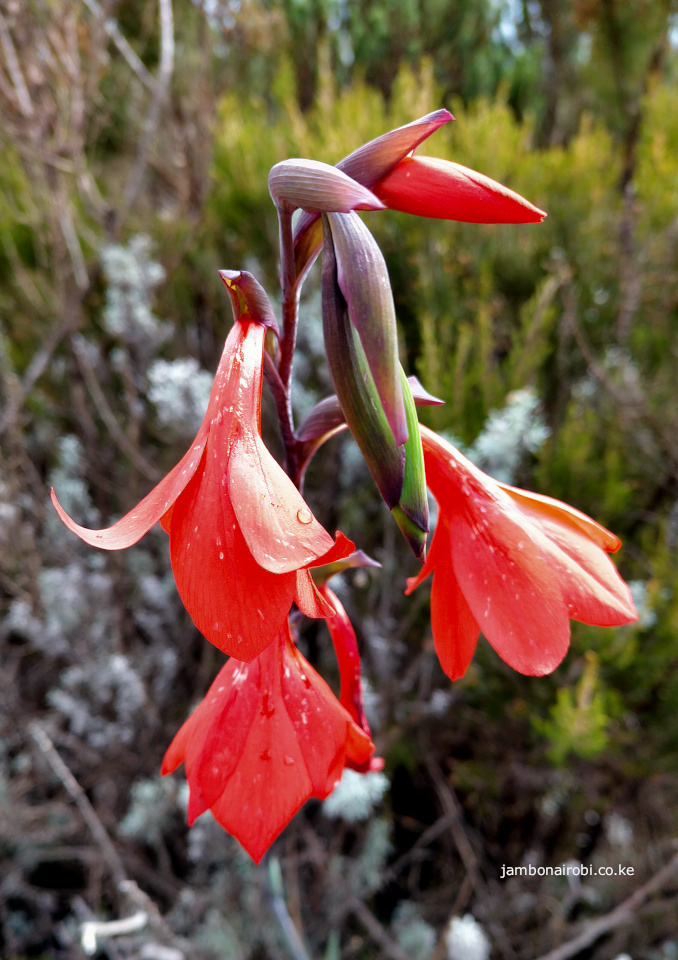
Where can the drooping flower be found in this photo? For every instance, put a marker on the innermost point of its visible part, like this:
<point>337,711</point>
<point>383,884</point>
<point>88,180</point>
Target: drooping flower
<point>268,735</point>
<point>241,535</point>
<point>516,565</point>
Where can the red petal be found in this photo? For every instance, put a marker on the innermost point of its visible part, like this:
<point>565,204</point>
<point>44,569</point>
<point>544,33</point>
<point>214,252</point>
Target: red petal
<point>270,782</point>
<point>321,723</point>
<point>277,524</point>
<point>591,587</point>
<point>543,507</point>
<point>309,599</point>
<point>235,603</point>
<point>131,528</point>
<point>510,589</point>
<point>455,629</point>
<point>429,187</point>
<point>348,658</point>
<point>236,394</point>
<point>307,596</point>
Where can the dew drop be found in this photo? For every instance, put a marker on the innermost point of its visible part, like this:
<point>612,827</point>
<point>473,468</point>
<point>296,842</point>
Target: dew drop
<point>265,755</point>
<point>288,761</point>
<point>304,515</point>
<point>221,554</point>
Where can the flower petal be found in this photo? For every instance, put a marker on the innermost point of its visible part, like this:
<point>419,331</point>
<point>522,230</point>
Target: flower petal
<point>509,588</point>
<point>239,606</point>
<point>236,393</point>
<point>455,629</point>
<point>321,723</point>
<point>430,187</point>
<point>131,528</point>
<point>591,587</point>
<point>275,520</point>
<point>565,515</point>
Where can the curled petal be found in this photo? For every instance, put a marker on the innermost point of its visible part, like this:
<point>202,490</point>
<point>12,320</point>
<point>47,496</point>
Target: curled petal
<point>318,187</point>
<point>429,187</point>
<point>131,528</point>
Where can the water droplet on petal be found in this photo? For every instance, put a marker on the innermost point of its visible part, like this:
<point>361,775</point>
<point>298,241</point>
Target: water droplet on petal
<point>304,515</point>
<point>265,755</point>
<point>288,761</point>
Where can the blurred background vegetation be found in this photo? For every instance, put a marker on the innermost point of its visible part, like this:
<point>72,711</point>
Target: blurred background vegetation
<point>136,142</point>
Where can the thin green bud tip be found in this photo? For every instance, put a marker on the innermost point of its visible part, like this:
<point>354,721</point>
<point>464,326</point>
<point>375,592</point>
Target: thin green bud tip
<point>415,536</point>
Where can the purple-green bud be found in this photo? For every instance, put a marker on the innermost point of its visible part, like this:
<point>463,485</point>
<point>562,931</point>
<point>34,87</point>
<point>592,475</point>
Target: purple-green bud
<point>355,385</point>
<point>363,279</point>
<point>318,188</point>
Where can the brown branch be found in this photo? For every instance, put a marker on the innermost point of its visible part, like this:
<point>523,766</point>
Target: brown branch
<point>621,914</point>
<point>89,815</point>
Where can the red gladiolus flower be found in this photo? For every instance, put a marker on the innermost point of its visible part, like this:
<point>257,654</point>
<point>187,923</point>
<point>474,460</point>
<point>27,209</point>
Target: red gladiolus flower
<point>513,564</point>
<point>268,735</point>
<point>430,187</point>
<point>241,535</point>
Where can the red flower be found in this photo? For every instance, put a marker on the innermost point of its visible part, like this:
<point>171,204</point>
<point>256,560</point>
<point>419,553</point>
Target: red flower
<point>513,564</point>
<point>429,187</point>
<point>268,735</point>
<point>241,535</point>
